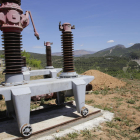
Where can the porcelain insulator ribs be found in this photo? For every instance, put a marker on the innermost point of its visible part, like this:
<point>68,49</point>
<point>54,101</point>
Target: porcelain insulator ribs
<point>12,52</point>
<point>67,43</point>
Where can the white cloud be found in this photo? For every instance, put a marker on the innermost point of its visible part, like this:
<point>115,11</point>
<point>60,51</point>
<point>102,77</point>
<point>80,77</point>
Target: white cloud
<point>131,43</point>
<point>38,47</point>
<point>80,45</point>
<point>110,41</point>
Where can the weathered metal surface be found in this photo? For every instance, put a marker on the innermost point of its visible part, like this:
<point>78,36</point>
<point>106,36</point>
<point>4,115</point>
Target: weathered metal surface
<point>35,31</point>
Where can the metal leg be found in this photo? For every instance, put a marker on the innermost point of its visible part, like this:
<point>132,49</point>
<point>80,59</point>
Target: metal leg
<point>53,73</point>
<point>79,87</point>
<point>21,100</point>
<point>10,108</point>
<point>60,98</point>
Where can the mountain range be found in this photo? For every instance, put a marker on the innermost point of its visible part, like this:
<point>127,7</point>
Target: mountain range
<point>77,53</point>
<point>117,50</point>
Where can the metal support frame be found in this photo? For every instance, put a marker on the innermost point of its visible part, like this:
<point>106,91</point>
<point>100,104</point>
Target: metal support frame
<point>51,72</point>
<point>18,97</point>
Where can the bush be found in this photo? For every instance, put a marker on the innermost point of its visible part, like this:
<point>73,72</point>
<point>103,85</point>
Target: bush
<point>30,61</point>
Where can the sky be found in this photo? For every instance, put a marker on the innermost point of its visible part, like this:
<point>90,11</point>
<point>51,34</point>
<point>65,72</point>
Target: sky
<point>99,24</point>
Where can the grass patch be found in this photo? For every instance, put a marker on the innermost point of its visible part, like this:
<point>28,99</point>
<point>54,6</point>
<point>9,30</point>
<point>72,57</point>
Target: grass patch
<point>135,138</point>
<point>89,101</point>
<point>96,92</point>
<point>86,133</point>
<point>118,99</point>
<point>68,99</point>
<point>113,133</point>
<point>131,101</point>
<point>112,125</point>
<point>73,135</point>
<point>137,107</point>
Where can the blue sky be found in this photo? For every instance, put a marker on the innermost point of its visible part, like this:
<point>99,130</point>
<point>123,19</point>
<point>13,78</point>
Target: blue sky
<point>98,23</point>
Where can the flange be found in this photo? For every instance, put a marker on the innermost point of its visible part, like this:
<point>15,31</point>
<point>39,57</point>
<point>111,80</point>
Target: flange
<point>68,75</point>
<point>26,130</point>
<point>84,111</point>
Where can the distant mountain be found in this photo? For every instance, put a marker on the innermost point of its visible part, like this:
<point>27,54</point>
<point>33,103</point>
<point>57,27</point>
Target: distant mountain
<point>77,53</point>
<point>116,50</point>
<point>133,51</point>
<point>113,47</point>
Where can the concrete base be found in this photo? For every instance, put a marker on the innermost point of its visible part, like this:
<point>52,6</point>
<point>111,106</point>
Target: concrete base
<point>9,129</point>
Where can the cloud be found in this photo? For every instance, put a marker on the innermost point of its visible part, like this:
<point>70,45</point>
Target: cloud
<point>38,47</point>
<point>110,41</point>
<point>131,43</point>
<point>80,45</point>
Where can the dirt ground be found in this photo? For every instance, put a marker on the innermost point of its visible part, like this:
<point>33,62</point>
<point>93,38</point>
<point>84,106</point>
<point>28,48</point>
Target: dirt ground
<point>124,102</point>
<point>102,80</point>
<point>123,99</point>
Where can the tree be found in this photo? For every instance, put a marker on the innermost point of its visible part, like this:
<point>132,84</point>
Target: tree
<point>134,55</point>
<point>31,61</point>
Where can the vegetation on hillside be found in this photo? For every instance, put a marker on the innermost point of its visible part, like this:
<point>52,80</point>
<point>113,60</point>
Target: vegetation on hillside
<point>112,65</point>
<point>31,61</point>
<point>120,51</point>
<point>56,60</point>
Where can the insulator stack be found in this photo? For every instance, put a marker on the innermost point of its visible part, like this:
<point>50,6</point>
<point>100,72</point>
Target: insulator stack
<point>48,53</point>
<point>12,23</point>
<point>67,49</point>
<point>24,61</point>
<point>12,51</point>
<point>48,56</point>
<point>67,38</point>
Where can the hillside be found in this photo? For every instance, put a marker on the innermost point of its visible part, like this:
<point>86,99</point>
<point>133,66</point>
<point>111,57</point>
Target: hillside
<point>119,50</point>
<point>116,50</point>
<point>56,60</point>
<point>1,52</point>
<point>77,53</point>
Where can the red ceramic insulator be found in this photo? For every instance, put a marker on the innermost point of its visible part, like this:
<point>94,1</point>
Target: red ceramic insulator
<point>48,53</point>
<point>67,43</point>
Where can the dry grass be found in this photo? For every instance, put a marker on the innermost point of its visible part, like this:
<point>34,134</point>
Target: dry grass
<point>125,104</point>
